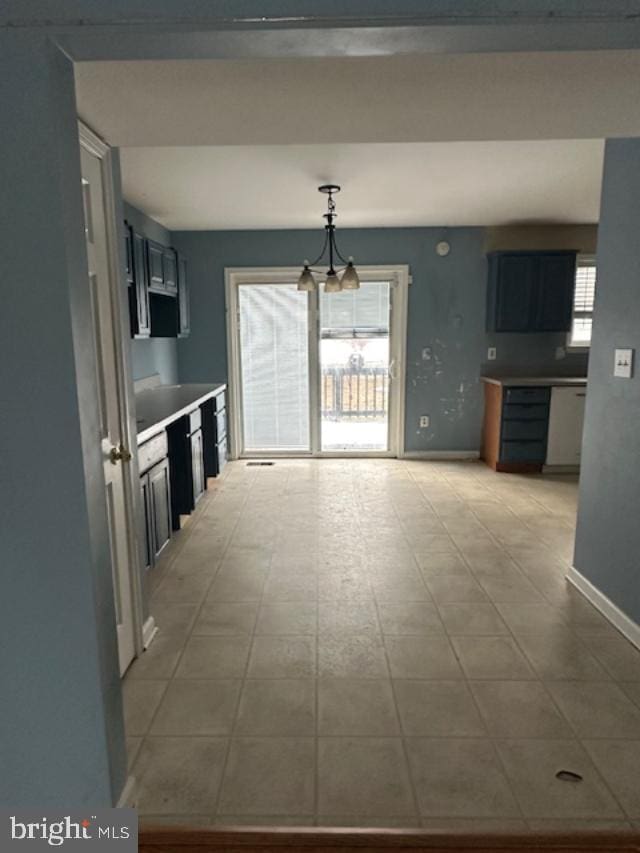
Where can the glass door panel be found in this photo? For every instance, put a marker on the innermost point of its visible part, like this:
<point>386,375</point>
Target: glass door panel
<point>354,368</point>
<point>274,367</point>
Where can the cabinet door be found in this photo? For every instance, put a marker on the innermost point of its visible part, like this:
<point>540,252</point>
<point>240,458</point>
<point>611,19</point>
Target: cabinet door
<point>197,464</point>
<point>160,505</point>
<point>128,252</point>
<point>184,318</point>
<point>515,280</point>
<point>566,418</point>
<point>143,320</point>
<point>556,283</point>
<point>146,534</point>
<point>170,269</point>
<point>155,256</point>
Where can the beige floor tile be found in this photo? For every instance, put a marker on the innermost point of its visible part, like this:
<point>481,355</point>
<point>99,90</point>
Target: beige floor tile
<point>133,746</point>
<point>478,824</point>
<point>264,820</point>
<point>350,617</point>
<point>214,657</point>
<point>182,590</point>
<point>532,766</point>
<point>560,656</point>
<point>242,586</point>
<point>197,708</point>
<point>349,706</point>
<point>472,619</point>
<point>433,565</point>
<point>283,657</point>
<point>351,656</point>
<point>277,706</point>
<point>632,690</point>
<point>406,618</point>
<point>597,709</point>
<point>618,761</point>
<point>291,587</point>
<point>269,776</point>
<point>160,659</point>
<point>582,825</point>
<point>400,589</point>
<point>140,701</point>
<point>363,776</point>
<point>289,617</point>
<point>512,588</point>
<point>226,619</point>
<point>491,657</point>
<point>437,709</point>
<point>519,709</point>
<point>422,657</point>
<point>174,619</point>
<point>531,618</point>
<point>617,655</point>
<point>455,589</point>
<point>456,778</point>
<point>369,821</point>
<point>178,775</point>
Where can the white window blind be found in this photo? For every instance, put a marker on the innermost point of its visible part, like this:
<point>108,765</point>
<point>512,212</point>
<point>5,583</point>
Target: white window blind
<point>583,302</point>
<point>274,359</point>
<point>356,310</point>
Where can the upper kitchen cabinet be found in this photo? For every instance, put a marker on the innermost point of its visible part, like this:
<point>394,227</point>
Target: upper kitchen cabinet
<point>136,264</point>
<point>155,262</point>
<point>184,315</point>
<point>170,267</point>
<point>530,291</point>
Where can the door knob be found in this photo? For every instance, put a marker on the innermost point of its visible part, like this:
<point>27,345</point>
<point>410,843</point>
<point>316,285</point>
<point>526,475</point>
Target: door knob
<point>119,454</point>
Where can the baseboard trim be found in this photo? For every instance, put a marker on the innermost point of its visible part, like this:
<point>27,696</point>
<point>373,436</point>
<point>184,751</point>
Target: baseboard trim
<point>441,454</point>
<point>620,620</point>
<point>127,793</point>
<point>149,631</point>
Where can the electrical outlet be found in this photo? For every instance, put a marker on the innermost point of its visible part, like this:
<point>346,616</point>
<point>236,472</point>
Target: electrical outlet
<point>560,353</point>
<point>492,354</point>
<point>424,421</point>
<point>427,352</point>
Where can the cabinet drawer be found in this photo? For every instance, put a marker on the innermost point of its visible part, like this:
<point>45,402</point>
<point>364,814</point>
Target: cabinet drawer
<point>221,425</point>
<point>525,411</point>
<point>527,395</point>
<point>152,451</point>
<point>222,454</point>
<point>523,451</point>
<point>527,430</point>
<point>195,420</point>
<point>219,401</point>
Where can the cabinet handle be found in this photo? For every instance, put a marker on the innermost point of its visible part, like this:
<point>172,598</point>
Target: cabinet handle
<point>581,394</point>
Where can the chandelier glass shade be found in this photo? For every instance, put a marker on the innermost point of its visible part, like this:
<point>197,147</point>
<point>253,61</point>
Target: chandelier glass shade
<point>346,276</point>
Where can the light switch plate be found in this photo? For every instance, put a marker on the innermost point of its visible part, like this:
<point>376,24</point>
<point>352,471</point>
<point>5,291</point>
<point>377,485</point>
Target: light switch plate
<point>424,421</point>
<point>623,364</point>
<point>492,354</point>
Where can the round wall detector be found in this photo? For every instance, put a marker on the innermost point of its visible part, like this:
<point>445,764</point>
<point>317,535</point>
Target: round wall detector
<point>443,248</point>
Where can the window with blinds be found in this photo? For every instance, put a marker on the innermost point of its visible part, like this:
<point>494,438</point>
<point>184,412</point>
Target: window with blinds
<point>583,302</point>
<point>274,363</point>
<point>356,313</point>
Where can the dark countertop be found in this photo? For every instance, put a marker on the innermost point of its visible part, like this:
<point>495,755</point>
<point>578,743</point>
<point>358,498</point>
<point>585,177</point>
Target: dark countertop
<point>158,407</point>
<point>542,381</point>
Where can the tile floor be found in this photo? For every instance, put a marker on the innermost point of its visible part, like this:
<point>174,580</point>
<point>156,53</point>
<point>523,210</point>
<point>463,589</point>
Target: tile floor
<point>377,642</point>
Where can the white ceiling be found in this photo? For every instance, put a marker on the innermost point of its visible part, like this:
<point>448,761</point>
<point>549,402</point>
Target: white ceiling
<point>415,140</point>
<point>383,185</point>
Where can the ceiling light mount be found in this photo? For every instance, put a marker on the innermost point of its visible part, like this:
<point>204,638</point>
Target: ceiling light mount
<point>345,278</point>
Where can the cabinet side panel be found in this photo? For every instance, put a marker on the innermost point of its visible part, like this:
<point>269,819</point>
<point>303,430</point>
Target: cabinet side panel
<point>490,449</point>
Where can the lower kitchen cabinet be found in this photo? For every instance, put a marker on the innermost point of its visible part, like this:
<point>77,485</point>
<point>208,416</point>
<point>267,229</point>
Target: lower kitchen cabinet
<point>156,498</point>
<point>186,461</point>
<point>516,421</point>
<point>214,430</point>
<point>197,465</point>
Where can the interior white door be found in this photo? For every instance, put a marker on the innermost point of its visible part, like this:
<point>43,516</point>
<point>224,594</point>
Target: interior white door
<point>566,418</point>
<point>105,315</point>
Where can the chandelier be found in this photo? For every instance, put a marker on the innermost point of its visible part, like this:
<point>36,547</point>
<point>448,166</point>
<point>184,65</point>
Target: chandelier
<point>334,282</point>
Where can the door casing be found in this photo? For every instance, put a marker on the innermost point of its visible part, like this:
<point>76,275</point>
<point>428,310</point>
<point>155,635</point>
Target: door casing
<point>398,276</point>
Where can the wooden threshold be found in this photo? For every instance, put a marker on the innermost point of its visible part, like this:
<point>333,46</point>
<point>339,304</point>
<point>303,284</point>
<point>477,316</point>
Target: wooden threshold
<point>184,839</point>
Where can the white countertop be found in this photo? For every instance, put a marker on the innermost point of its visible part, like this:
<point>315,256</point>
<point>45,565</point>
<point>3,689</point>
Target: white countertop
<point>542,381</point>
<point>157,407</point>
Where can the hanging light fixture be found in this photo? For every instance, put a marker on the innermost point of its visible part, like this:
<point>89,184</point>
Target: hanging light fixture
<point>345,278</point>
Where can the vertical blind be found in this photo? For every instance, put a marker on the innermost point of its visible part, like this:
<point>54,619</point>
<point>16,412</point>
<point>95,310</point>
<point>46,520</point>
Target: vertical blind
<point>274,358</point>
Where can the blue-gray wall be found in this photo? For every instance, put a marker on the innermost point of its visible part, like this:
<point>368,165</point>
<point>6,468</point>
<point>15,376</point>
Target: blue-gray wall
<point>152,355</point>
<point>446,314</point>
<point>608,535</point>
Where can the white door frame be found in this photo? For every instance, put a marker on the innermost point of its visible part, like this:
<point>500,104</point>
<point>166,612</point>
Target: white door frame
<point>398,276</point>
<point>92,143</point>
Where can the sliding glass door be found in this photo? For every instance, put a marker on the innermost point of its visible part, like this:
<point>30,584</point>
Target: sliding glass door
<point>274,363</point>
<point>314,373</point>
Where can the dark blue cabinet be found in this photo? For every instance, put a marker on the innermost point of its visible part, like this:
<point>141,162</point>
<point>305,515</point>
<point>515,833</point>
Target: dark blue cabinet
<point>137,283</point>
<point>530,291</point>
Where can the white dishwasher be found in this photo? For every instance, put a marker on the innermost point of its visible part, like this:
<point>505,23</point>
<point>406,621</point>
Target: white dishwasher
<point>566,418</point>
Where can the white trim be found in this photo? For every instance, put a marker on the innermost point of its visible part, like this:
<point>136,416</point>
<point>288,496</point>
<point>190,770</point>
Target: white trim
<point>96,146</point>
<point>149,631</point>
<point>442,454</point>
<point>398,275</point>
<point>611,611</point>
<point>126,797</point>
